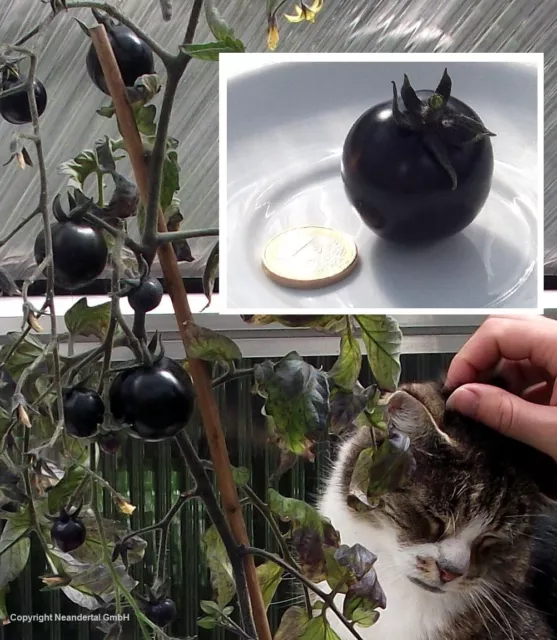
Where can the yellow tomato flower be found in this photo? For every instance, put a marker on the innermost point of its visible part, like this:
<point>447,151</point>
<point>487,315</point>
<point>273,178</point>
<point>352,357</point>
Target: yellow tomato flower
<point>272,33</point>
<point>125,506</point>
<point>305,12</point>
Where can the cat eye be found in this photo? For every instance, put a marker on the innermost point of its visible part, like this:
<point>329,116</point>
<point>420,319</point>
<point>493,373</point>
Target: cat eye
<point>491,543</point>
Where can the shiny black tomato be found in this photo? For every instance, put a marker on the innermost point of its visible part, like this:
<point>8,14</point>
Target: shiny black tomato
<point>146,296</point>
<point>133,56</point>
<point>415,178</point>
<point>15,108</point>
<point>161,612</point>
<point>68,531</point>
<point>80,253</point>
<point>155,401</point>
<point>83,412</point>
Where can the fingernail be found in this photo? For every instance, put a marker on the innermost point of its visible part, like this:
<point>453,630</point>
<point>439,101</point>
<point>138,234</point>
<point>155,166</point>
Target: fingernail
<point>464,401</point>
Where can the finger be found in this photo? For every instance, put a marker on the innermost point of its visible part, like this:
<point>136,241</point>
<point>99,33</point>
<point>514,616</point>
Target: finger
<point>539,393</point>
<point>507,338</point>
<point>533,424</point>
<point>520,375</point>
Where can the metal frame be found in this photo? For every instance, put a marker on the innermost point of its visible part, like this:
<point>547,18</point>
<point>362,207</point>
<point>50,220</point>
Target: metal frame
<point>422,333</point>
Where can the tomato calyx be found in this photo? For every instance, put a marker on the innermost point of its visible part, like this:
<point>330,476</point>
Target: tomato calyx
<point>438,125</point>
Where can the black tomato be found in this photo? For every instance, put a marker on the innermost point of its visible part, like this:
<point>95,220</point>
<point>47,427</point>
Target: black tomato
<point>422,174</point>
<point>68,531</point>
<point>80,253</point>
<point>15,108</point>
<point>83,412</point>
<point>133,56</point>
<point>146,296</point>
<point>162,612</point>
<point>155,401</point>
<point>109,442</point>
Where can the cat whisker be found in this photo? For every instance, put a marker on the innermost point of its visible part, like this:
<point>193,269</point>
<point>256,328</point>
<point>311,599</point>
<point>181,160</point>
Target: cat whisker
<point>488,600</point>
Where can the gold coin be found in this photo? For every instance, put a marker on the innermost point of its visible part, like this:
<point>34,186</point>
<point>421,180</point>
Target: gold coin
<point>309,257</point>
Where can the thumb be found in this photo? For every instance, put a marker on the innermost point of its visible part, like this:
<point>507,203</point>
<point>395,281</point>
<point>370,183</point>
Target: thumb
<point>513,416</point>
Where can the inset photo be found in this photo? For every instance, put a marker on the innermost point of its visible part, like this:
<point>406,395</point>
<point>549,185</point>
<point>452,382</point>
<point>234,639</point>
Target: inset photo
<point>381,182</point>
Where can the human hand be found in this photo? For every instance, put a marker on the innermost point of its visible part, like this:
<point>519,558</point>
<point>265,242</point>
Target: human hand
<point>523,351</point>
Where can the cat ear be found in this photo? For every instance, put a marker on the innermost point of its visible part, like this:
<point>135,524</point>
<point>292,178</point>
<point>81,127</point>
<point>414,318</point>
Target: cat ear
<point>408,415</point>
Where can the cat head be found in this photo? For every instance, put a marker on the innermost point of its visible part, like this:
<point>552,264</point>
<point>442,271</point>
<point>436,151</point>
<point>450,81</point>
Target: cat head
<point>464,517</point>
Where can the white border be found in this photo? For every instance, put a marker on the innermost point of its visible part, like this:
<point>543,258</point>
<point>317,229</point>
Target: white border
<point>231,64</point>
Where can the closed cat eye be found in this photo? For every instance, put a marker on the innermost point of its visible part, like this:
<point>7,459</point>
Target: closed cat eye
<point>491,543</point>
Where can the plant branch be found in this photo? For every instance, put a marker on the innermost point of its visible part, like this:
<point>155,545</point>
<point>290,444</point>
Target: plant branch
<point>164,55</point>
<point>118,584</point>
<point>287,555</point>
<point>43,207</point>
<point>233,374</point>
<point>207,494</point>
<point>193,21</point>
<point>116,233</point>
<point>175,286</point>
<point>164,525</point>
<point>167,520</point>
<point>177,236</point>
<point>326,597</point>
<point>19,226</point>
<point>156,160</point>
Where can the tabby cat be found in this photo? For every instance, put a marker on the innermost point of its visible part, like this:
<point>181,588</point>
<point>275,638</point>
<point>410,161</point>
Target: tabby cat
<point>467,547</point>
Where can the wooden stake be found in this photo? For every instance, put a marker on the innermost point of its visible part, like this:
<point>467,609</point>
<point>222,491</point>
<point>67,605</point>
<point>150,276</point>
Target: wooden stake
<point>175,286</point>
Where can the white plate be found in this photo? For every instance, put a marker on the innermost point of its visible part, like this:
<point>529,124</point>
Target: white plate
<point>286,127</point>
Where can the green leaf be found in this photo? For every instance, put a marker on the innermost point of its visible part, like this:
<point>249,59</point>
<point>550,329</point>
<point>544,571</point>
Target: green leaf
<point>211,608</point>
<point>83,320</point>
<point>296,625</point>
<point>321,323</point>
<point>382,337</point>
<point>211,50</point>
<point>298,512</point>
<point>269,575</point>
<point>222,576</point>
<point>347,406</point>
<point>382,470</point>
<point>59,495</point>
<point>26,353</point>
<point>144,89</point>
<point>80,168</point>
<point>346,369</point>
<point>319,629</point>
<point>241,475</point>
<point>170,179</point>
<point>210,274</point>
<point>14,557</point>
<point>107,159</point>
<point>296,401</point>
<point>292,624</point>
<point>217,24</point>
<point>359,481</point>
<point>207,623</point>
<point>145,119</point>
<point>205,344</point>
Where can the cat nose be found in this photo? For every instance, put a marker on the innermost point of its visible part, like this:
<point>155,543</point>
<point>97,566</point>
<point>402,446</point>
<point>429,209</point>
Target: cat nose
<point>448,573</point>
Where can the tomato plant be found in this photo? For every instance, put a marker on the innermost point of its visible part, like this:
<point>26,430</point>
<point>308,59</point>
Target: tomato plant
<point>69,409</point>
<point>418,168</point>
